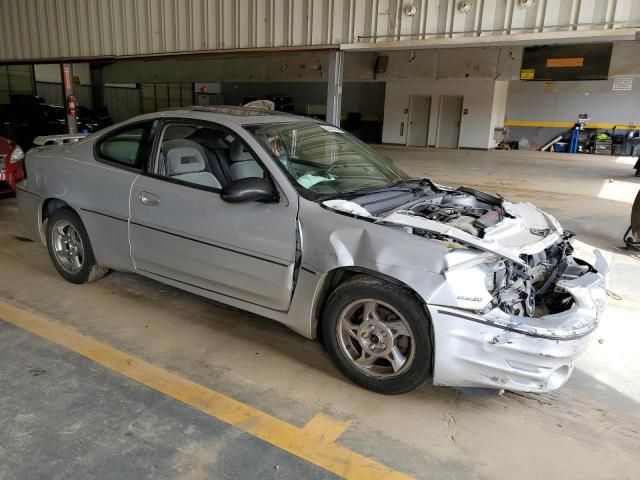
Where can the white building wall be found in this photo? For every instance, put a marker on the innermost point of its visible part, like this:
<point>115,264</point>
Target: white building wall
<point>475,126</point>
<point>538,111</point>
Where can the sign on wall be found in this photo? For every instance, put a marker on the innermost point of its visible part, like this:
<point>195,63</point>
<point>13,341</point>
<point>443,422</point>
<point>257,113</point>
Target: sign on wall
<point>527,74</point>
<point>622,83</point>
<point>567,62</point>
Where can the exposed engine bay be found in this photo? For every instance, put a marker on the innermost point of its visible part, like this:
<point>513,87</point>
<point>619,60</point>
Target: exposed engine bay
<point>532,251</point>
<point>463,210</point>
<point>516,289</point>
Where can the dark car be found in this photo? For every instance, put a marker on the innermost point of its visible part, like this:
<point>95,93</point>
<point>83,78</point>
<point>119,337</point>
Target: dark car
<point>24,119</point>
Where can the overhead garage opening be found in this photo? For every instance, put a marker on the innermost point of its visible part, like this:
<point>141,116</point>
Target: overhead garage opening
<point>296,82</point>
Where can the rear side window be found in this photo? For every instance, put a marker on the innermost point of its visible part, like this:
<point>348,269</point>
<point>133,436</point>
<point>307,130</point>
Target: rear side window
<point>126,146</point>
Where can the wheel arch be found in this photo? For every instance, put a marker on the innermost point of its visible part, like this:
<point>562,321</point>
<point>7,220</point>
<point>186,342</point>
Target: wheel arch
<point>339,275</point>
<point>49,206</point>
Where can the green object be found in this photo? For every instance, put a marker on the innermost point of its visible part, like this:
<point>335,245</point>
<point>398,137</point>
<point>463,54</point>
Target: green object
<point>602,136</point>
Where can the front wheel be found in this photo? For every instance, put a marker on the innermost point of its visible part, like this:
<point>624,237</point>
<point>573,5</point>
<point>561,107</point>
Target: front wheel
<point>379,335</point>
<point>70,249</point>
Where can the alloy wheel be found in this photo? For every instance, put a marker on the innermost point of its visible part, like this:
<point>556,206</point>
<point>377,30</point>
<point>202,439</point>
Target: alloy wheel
<point>67,246</point>
<point>375,338</point>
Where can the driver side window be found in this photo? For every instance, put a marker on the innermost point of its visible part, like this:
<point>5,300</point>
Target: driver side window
<point>205,157</point>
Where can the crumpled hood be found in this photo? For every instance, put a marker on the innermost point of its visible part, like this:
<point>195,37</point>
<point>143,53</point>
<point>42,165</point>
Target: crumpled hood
<point>529,231</point>
<point>525,229</point>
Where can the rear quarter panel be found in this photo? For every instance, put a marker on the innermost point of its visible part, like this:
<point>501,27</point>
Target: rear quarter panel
<point>97,192</point>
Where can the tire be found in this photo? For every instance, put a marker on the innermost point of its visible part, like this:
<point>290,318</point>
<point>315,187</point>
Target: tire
<point>635,219</point>
<point>64,232</point>
<point>368,361</point>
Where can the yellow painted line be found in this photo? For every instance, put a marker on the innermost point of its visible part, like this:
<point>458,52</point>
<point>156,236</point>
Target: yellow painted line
<point>325,428</point>
<point>536,123</point>
<point>308,443</point>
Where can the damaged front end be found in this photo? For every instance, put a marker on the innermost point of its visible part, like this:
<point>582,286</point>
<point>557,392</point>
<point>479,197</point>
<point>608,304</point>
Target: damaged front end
<point>517,315</point>
<point>516,307</point>
<point>531,331</point>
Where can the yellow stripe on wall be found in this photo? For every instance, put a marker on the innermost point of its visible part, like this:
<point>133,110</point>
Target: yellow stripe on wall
<point>536,123</point>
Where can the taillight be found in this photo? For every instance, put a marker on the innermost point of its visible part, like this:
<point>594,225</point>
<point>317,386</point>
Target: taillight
<point>16,155</point>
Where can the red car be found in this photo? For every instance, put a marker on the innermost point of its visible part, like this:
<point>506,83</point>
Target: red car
<point>11,166</point>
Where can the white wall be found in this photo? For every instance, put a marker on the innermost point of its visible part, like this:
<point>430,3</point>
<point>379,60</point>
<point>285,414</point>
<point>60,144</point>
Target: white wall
<point>552,111</point>
<point>476,130</point>
<point>531,101</point>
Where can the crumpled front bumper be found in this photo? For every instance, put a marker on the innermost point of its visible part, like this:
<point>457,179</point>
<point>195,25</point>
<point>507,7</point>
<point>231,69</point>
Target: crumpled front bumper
<point>498,350</point>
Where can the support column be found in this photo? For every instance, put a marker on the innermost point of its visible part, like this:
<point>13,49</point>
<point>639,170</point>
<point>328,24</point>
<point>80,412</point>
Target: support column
<point>334,87</point>
<point>66,71</point>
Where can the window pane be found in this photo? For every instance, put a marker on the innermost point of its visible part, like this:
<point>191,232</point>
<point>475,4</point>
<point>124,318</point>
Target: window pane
<point>123,147</point>
<point>190,154</point>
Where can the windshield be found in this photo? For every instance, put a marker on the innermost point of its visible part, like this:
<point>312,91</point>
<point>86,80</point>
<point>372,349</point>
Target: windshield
<point>325,161</point>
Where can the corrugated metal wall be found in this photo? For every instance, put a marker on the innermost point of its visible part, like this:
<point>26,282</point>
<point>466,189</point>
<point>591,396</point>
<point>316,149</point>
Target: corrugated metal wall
<point>122,103</point>
<point>15,79</point>
<point>48,29</point>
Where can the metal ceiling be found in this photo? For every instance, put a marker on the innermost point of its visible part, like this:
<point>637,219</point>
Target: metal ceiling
<point>84,29</point>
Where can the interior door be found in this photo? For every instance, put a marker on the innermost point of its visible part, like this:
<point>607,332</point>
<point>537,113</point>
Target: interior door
<point>450,114</point>
<point>419,107</point>
<point>185,232</point>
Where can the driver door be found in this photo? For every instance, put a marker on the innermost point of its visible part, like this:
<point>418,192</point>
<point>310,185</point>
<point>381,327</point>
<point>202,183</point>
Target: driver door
<point>183,231</point>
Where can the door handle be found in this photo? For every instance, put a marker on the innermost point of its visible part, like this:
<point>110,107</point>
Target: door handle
<point>148,198</point>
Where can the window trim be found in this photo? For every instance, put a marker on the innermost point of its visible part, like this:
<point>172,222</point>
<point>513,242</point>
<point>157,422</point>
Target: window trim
<point>143,150</point>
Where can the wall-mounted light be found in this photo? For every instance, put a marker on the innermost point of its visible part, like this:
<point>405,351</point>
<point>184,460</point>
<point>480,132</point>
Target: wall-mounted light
<point>465,6</point>
<point>410,10</point>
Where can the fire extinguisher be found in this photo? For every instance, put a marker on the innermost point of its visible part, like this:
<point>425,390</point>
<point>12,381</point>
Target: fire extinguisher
<point>72,113</point>
<point>72,106</point>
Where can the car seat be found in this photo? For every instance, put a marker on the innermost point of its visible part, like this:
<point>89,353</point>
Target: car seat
<point>243,164</point>
<point>186,162</point>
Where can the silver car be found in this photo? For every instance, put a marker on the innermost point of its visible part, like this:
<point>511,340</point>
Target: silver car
<point>300,222</point>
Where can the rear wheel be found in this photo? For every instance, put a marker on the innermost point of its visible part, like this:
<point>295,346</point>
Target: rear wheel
<point>70,249</point>
<point>379,335</point>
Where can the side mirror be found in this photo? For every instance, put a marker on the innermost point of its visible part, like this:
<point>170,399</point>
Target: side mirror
<point>249,190</point>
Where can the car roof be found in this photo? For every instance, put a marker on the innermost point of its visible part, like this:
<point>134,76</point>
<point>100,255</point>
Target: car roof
<point>238,115</point>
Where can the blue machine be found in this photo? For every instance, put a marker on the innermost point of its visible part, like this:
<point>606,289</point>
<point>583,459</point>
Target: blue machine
<point>575,133</point>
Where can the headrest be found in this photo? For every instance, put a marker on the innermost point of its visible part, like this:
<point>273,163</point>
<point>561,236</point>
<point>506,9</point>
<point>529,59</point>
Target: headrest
<point>183,156</point>
<point>212,139</point>
<point>238,153</point>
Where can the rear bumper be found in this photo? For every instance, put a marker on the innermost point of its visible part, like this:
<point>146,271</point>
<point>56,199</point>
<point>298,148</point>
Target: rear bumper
<point>29,208</point>
<point>498,350</point>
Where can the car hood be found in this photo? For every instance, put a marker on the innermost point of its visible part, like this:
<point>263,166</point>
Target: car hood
<point>521,229</point>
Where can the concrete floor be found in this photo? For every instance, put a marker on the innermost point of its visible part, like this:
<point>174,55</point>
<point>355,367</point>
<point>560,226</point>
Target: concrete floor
<point>588,429</point>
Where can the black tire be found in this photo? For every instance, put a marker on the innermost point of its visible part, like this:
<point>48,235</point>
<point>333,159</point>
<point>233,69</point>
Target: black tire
<point>89,271</point>
<point>408,305</point>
